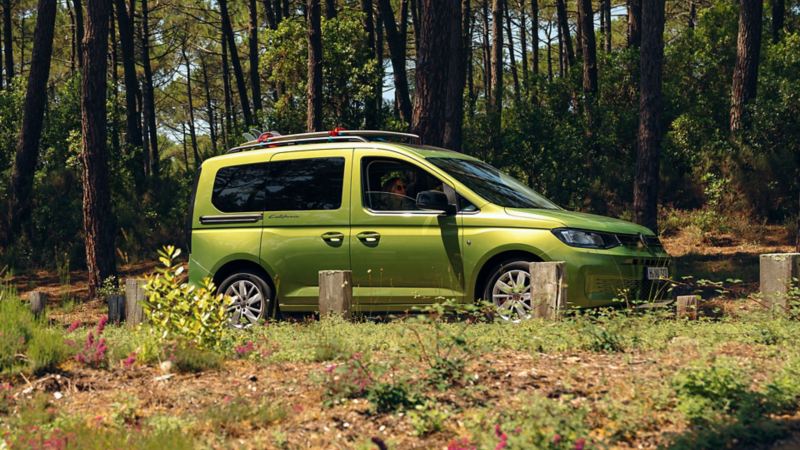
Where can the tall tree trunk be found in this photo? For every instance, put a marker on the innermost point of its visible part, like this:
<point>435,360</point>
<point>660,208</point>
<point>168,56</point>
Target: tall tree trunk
<point>148,97</point>
<point>98,223</point>
<point>535,36</point>
<point>314,108</point>
<point>692,14</point>
<point>512,58</point>
<point>21,189</point>
<point>212,127</point>
<point>8,41</point>
<point>456,76</point>
<point>241,86</point>
<point>270,13</point>
<point>436,37</point>
<point>397,53</point>
<point>226,88</point>
<point>561,52</point>
<point>78,7</point>
<point>586,17</point>
<point>255,79</point>
<point>487,53</point>
<point>114,122</point>
<point>190,101</point>
<point>370,103</point>
<point>330,9</point>
<point>607,13</point>
<point>549,52</point>
<point>566,40</point>
<point>133,122</point>
<point>634,23</point>
<point>745,73</point>
<point>523,42</point>
<point>778,13</point>
<point>469,25</point>
<point>578,32</point>
<point>496,103</point>
<point>379,44</point>
<point>651,60</point>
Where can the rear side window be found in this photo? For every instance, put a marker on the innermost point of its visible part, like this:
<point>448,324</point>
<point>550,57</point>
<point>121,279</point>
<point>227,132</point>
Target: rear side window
<point>240,188</point>
<point>305,184</point>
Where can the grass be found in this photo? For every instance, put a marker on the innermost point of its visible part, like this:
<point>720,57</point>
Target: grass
<point>605,378</point>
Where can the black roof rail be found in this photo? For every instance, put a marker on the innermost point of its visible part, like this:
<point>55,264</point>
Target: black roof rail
<point>322,137</point>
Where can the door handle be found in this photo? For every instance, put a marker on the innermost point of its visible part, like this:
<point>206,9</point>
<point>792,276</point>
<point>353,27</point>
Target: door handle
<point>333,237</point>
<point>369,237</point>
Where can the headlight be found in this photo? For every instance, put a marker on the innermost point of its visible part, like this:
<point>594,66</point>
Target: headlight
<point>586,239</point>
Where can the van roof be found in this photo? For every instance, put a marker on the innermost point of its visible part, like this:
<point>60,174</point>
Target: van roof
<point>421,151</point>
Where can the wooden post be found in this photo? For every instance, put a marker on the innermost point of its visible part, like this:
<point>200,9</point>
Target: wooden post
<point>116,308</point>
<point>134,296</point>
<point>778,270</point>
<point>687,306</point>
<point>38,303</point>
<point>335,292</point>
<point>548,288</point>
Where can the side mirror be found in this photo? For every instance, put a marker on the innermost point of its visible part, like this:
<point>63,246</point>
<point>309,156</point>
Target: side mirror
<point>435,201</point>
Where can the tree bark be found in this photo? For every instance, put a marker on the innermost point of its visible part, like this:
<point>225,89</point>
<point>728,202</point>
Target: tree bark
<point>496,103</point>
<point>566,40</point>
<point>330,9</point>
<point>468,24</point>
<point>535,37</point>
<point>226,87</point>
<point>586,16</point>
<point>148,98</point>
<point>97,219</point>
<point>692,14</point>
<point>270,13</point>
<point>549,53</point>
<point>241,86</point>
<point>379,45</point>
<point>397,53</point>
<point>634,23</point>
<point>511,56</point>
<point>371,106</point>
<point>523,43</point>
<point>114,122</point>
<point>8,41</point>
<point>608,34</point>
<point>78,11</point>
<point>190,101</point>
<point>778,14</point>
<point>255,79</point>
<point>212,127</point>
<point>27,154</point>
<point>487,52</point>
<point>651,60</point>
<point>456,78</point>
<point>314,107</point>
<point>133,121</point>
<point>745,73</point>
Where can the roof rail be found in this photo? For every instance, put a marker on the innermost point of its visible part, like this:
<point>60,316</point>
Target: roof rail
<point>337,134</point>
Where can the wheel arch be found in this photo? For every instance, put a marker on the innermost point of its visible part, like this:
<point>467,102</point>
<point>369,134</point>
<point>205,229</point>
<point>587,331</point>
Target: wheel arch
<point>491,261</point>
<point>242,265</point>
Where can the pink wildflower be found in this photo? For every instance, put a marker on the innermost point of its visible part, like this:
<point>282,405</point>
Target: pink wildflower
<point>129,361</point>
<point>74,326</point>
<point>580,444</point>
<point>245,349</point>
<point>461,444</point>
<point>330,368</point>
<point>556,439</point>
<point>102,325</point>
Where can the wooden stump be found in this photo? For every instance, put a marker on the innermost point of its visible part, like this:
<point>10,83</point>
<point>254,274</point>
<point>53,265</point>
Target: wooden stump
<point>687,306</point>
<point>548,288</point>
<point>116,308</point>
<point>134,296</point>
<point>778,270</point>
<point>335,292</point>
<point>38,303</point>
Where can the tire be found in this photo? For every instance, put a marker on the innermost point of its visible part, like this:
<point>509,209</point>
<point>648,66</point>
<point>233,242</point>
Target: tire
<point>508,287</point>
<point>252,298</point>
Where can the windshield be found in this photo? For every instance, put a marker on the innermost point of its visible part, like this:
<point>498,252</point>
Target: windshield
<point>492,184</point>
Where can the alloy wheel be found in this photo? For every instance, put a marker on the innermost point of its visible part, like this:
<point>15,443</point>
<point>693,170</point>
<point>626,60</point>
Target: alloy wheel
<point>247,303</point>
<point>511,294</point>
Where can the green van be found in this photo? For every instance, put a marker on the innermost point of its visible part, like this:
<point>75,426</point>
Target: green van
<point>415,225</point>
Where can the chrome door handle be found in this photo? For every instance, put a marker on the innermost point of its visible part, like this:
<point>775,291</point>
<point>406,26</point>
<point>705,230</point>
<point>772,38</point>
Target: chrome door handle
<point>369,237</point>
<point>333,237</point>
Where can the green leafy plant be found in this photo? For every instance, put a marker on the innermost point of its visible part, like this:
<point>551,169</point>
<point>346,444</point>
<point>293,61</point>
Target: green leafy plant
<point>178,310</point>
<point>110,286</point>
<point>190,358</point>
<point>392,396</point>
<point>427,418</point>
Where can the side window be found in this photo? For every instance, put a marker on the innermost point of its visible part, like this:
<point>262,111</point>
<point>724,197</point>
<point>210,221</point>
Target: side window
<point>393,185</point>
<point>240,188</point>
<point>305,184</point>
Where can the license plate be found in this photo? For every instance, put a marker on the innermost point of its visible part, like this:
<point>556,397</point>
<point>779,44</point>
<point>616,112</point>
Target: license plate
<point>657,273</point>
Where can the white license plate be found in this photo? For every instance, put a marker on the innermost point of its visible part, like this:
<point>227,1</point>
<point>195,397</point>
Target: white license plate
<point>657,273</point>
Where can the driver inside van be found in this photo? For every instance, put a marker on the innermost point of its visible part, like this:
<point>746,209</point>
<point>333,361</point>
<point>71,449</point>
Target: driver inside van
<point>397,198</point>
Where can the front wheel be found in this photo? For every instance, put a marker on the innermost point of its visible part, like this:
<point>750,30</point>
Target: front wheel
<point>250,298</point>
<point>509,289</point>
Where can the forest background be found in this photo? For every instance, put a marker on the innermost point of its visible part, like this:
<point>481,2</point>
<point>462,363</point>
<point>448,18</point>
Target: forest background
<point>670,113</point>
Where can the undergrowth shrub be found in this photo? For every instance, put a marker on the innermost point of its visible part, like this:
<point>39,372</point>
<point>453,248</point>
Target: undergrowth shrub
<point>46,350</point>
<point>190,358</point>
<point>240,414</point>
<point>93,352</point>
<point>177,310</point>
<point>350,379</point>
<point>26,344</point>
<point>391,396</point>
<point>427,418</point>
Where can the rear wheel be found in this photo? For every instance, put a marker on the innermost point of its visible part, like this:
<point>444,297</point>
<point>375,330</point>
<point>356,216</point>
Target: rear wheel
<point>508,287</point>
<point>251,298</point>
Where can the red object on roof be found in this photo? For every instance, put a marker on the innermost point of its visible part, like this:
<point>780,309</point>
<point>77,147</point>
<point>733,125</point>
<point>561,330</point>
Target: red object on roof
<point>335,132</point>
<point>264,137</point>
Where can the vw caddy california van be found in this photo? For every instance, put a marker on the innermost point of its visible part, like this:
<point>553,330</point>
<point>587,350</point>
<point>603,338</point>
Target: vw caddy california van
<point>414,224</point>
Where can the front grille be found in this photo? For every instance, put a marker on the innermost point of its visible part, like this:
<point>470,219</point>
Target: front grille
<point>612,285</point>
<point>639,241</point>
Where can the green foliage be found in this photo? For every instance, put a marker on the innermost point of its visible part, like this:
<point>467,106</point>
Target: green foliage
<point>178,310</point>
<point>428,417</point>
<point>602,339</point>
<point>392,396</point>
<point>350,379</point>
<point>27,345</point>
<point>188,358</point>
<point>238,412</point>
